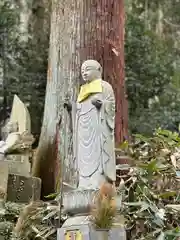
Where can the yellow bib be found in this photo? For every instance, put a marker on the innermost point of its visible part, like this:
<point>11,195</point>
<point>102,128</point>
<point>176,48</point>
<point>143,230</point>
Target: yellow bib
<point>89,88</point>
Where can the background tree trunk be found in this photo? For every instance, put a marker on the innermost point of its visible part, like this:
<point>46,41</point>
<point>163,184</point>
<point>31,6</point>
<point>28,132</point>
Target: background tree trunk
<point>79,30</point>
<point>102,38</point>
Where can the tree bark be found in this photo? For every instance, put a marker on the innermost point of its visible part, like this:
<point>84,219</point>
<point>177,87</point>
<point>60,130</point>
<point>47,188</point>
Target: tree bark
<point>63,78</point>
<point>79,30</point>
<point>102,38</point>
<point>25,13</point>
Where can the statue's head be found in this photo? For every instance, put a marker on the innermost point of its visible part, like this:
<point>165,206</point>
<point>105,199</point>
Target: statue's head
<point>91,70</point>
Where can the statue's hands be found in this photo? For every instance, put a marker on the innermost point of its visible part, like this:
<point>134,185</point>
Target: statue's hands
<point>97,103</point>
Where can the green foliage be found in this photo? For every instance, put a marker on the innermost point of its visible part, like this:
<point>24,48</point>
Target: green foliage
<point>147,67</point>
<point>150,196</point>
<point>24,63</point>
<point>8,15</point>
<point>152,75</point>
<point>151,200</point>
<point>8,217</point>
<point>34,221</point>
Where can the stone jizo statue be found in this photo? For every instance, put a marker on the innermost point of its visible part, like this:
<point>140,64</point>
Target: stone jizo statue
<point>93,118</point>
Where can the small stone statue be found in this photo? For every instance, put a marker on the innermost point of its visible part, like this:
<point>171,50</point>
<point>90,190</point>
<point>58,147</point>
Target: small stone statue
<point>15,141</point>
<point>93,118</point>
<point>8,128</point>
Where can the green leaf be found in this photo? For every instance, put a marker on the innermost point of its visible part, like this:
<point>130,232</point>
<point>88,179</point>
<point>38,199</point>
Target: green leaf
<point>53,195</point>
<point>174,232</point>
<point>124,145</point>
<point>167,194</point>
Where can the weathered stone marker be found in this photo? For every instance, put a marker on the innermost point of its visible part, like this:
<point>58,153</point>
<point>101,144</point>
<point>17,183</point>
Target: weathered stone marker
<point>15,177</point>
<point>21,116</point>
<point>93,119</point>
<point>23,189</point>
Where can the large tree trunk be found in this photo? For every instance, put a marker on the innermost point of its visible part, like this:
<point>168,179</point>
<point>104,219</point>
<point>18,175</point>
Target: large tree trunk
<point>102,38</point>
<point>79,30</point>
<point>63,77</point>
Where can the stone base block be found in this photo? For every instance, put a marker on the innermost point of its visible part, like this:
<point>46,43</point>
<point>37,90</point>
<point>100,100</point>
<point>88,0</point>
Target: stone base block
<point>18,165</point>
<point>17,188</point>
<point>81,228</point>
<point>80,201</point>
<point>22,189</point>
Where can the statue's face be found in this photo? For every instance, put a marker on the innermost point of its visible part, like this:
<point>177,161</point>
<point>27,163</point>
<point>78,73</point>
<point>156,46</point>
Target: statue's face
<point>91,70</point>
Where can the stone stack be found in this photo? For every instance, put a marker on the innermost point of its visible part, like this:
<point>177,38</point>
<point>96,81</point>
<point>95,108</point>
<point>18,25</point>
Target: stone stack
<point>16,183</point>
<point>79,226</point>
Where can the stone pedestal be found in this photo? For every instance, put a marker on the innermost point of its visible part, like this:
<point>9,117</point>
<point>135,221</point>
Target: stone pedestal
<point>81,228</point>
<point>17,165</point>
<point>22,189</point>
<point>15,187</point>
<point>79,202</point>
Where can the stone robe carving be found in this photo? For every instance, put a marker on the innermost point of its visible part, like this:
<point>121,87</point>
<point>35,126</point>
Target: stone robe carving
<point>94,135</point>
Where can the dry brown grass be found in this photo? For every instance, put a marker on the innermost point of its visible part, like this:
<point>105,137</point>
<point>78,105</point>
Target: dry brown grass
<point>104,209</point>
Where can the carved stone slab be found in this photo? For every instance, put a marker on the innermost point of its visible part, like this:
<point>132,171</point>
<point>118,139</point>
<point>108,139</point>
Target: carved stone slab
<point>22,189</point>
<point>20,114</point>
<point>80,228</point>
